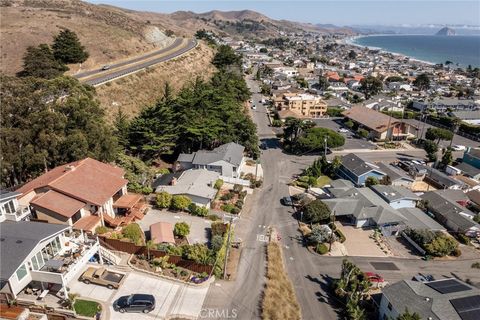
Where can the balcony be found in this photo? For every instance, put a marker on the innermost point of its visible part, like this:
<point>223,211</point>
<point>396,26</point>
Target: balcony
<point>20,213</point>
<point>67,264</point>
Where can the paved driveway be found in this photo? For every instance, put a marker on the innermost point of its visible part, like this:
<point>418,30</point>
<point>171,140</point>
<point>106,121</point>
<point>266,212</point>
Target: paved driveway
<point>350,141</point>
<point>171,298</point>
<point>199,227</point>
<point>359,243</point>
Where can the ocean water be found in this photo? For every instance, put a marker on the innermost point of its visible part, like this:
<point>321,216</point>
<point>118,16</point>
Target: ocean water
<point>464,50</point>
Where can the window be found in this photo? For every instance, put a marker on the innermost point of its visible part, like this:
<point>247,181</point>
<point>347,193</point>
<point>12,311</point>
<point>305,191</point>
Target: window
<point>21,272</point>
<point>35,263</point>
<point>40,260</point>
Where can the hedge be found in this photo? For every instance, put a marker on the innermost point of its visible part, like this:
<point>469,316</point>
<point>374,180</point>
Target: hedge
<point>340,235</point>
<point>321,248</point>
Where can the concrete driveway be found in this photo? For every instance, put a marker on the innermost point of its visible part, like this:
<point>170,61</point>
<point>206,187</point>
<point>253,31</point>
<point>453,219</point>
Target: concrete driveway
<point>199,227</point>
<point>350,141</point>
<point>359,243</point>
<point>171,298</point>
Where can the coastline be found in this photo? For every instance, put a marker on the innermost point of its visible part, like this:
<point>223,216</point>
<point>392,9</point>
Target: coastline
<point>351,41</point>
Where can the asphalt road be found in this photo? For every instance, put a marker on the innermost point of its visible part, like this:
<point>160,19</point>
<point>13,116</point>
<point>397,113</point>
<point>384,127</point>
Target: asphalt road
<point>99,76</point>
<point>310,273</point>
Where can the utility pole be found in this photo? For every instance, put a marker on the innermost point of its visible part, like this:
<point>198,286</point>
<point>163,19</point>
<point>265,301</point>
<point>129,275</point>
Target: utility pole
<point>256,168</point>
<point>325,144</point>
<point>389,110</point>
<point>331,234</point>
<point>227,249</point>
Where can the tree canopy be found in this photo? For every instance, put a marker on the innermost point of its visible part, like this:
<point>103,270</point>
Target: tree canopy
<point>370,86</point>
<point>226,56</point>
<point>316,211</point>
<point>40,62</point>
<point>313,139</point>
<point>46,123</point>
<point>422,82</point>
<point>438,134</point>
<point>67,48</point>
<point>203,115</point>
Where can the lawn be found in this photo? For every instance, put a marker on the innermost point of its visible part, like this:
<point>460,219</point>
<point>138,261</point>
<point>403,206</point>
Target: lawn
<point>86,308</point>
<point>323,181</point>
<point>279,299</point>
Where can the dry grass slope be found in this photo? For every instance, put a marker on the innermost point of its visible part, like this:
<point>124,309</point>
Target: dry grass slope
<point>279,300</point>
<point>141,89</point>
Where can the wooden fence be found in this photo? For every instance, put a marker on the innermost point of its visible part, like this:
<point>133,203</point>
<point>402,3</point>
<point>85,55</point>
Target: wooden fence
<point>132,248</point>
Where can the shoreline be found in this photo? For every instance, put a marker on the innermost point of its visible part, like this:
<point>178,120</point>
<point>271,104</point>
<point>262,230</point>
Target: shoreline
<point>351,41</point>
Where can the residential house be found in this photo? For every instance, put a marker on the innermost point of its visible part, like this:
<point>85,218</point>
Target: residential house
<point>227,160</point>
<point>83,194</point>
<point>197,184</point>
<point>445,104</point>
<point>468,116</point>
<point>441,180</point>
<point>357,170</point>
<point>397,176</point>
<point>10,209</point>
<point>468,170</point>
<point>450,213</point>
<point>379,125</point>
<point>46,253</point>
<point>365,208</point>
<point>301,105</point>
<point>444,299</point>
<point>397,197</point>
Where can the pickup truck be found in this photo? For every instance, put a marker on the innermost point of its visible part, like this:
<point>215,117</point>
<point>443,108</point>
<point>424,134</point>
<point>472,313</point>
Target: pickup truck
<point>102,276</point>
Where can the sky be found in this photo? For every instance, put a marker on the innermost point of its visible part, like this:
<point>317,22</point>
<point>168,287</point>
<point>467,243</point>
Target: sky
<point>339,12</point>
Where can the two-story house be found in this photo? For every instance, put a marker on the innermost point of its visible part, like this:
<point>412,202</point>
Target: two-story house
<point>49,255</point>
<point>357,170</point>
<point>227,160</point>
<point>300,105</point>
<point>10,209</point>
<point>83,194</point>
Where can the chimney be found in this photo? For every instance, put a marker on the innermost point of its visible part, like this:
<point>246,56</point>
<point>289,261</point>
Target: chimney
<point>69,168</point>
<point>174,181</point>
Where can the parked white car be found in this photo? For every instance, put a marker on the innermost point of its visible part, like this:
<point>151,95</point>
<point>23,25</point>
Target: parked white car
<point>343,130</point>
<point>458,147</point>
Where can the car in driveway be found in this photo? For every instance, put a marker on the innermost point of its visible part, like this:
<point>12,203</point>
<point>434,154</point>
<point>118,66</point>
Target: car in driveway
<point>459,147</point>
<point>376,279</point>
<point>343,130</point>
<point>102,276</point>
<point>287,201</point>
<point>135,303</point>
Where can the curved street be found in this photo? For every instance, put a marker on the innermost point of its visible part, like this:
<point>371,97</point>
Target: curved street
<point>121,69</point>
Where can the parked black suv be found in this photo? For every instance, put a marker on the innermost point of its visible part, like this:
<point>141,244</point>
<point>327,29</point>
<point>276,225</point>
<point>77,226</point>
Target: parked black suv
<point>135,303</point>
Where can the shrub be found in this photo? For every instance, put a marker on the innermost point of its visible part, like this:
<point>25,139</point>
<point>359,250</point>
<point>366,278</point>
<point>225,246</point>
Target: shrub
<point>227,196</point>
<point>316,211</point>
<point>133,232</point>
<point>192,207</point>
<point>476,265</point>
<point>162,262</point>
<point>242,195</point>
<point>227,207</point>
<point>198,253</point>
<point>217,242</point>
<point>321,248</point>
<point>235,210</point>
<point>164,199</point>
<point>341,236</point>
<point>463,239</point>
<point>163,171</point>
<point>237,188</point>
<point>202,211</point>
<point>180,202</point>
<point>218,228</point>
<point>320,234</point>
<point>218,184</point>
<point>182,229</point>
<point>213,217</point>
<point>362,133</point>
<point>102,230</point>
<point>239,204</point>
<point>277,123</point>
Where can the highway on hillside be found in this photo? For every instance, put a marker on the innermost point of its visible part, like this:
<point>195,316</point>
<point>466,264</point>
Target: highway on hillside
<point>117,70</point>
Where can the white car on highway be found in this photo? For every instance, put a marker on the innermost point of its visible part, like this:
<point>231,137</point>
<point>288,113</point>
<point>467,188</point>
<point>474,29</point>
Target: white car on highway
<point>458,147</point>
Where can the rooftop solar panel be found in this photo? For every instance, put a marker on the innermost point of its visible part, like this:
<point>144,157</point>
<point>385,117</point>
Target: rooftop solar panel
<point>468,308</point>
<point>448,286</point>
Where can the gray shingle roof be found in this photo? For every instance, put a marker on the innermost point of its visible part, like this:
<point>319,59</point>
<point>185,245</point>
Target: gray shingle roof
<point>393,172</point>
<point>412,295</point>
<point>8,194</point>
<point>394,193</point>
<point>197,182</point>
<point>468,169</point>
<point>18,239</point>
<point>417,219</point>
<point>449,209</point>
<point>230,152</point>
<point>356,165</point>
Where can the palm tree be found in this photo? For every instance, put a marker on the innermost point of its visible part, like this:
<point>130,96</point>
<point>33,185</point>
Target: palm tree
<point>150,245</point>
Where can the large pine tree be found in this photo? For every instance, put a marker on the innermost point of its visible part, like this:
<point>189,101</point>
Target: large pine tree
<point>40,62</point>
<point>67,48</point>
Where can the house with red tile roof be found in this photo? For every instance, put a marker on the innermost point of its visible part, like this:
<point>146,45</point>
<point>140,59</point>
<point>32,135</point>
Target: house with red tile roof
<point>84,194</point>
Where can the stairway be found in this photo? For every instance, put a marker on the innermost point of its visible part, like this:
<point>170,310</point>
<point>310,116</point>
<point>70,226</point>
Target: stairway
<point>109,256</point>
